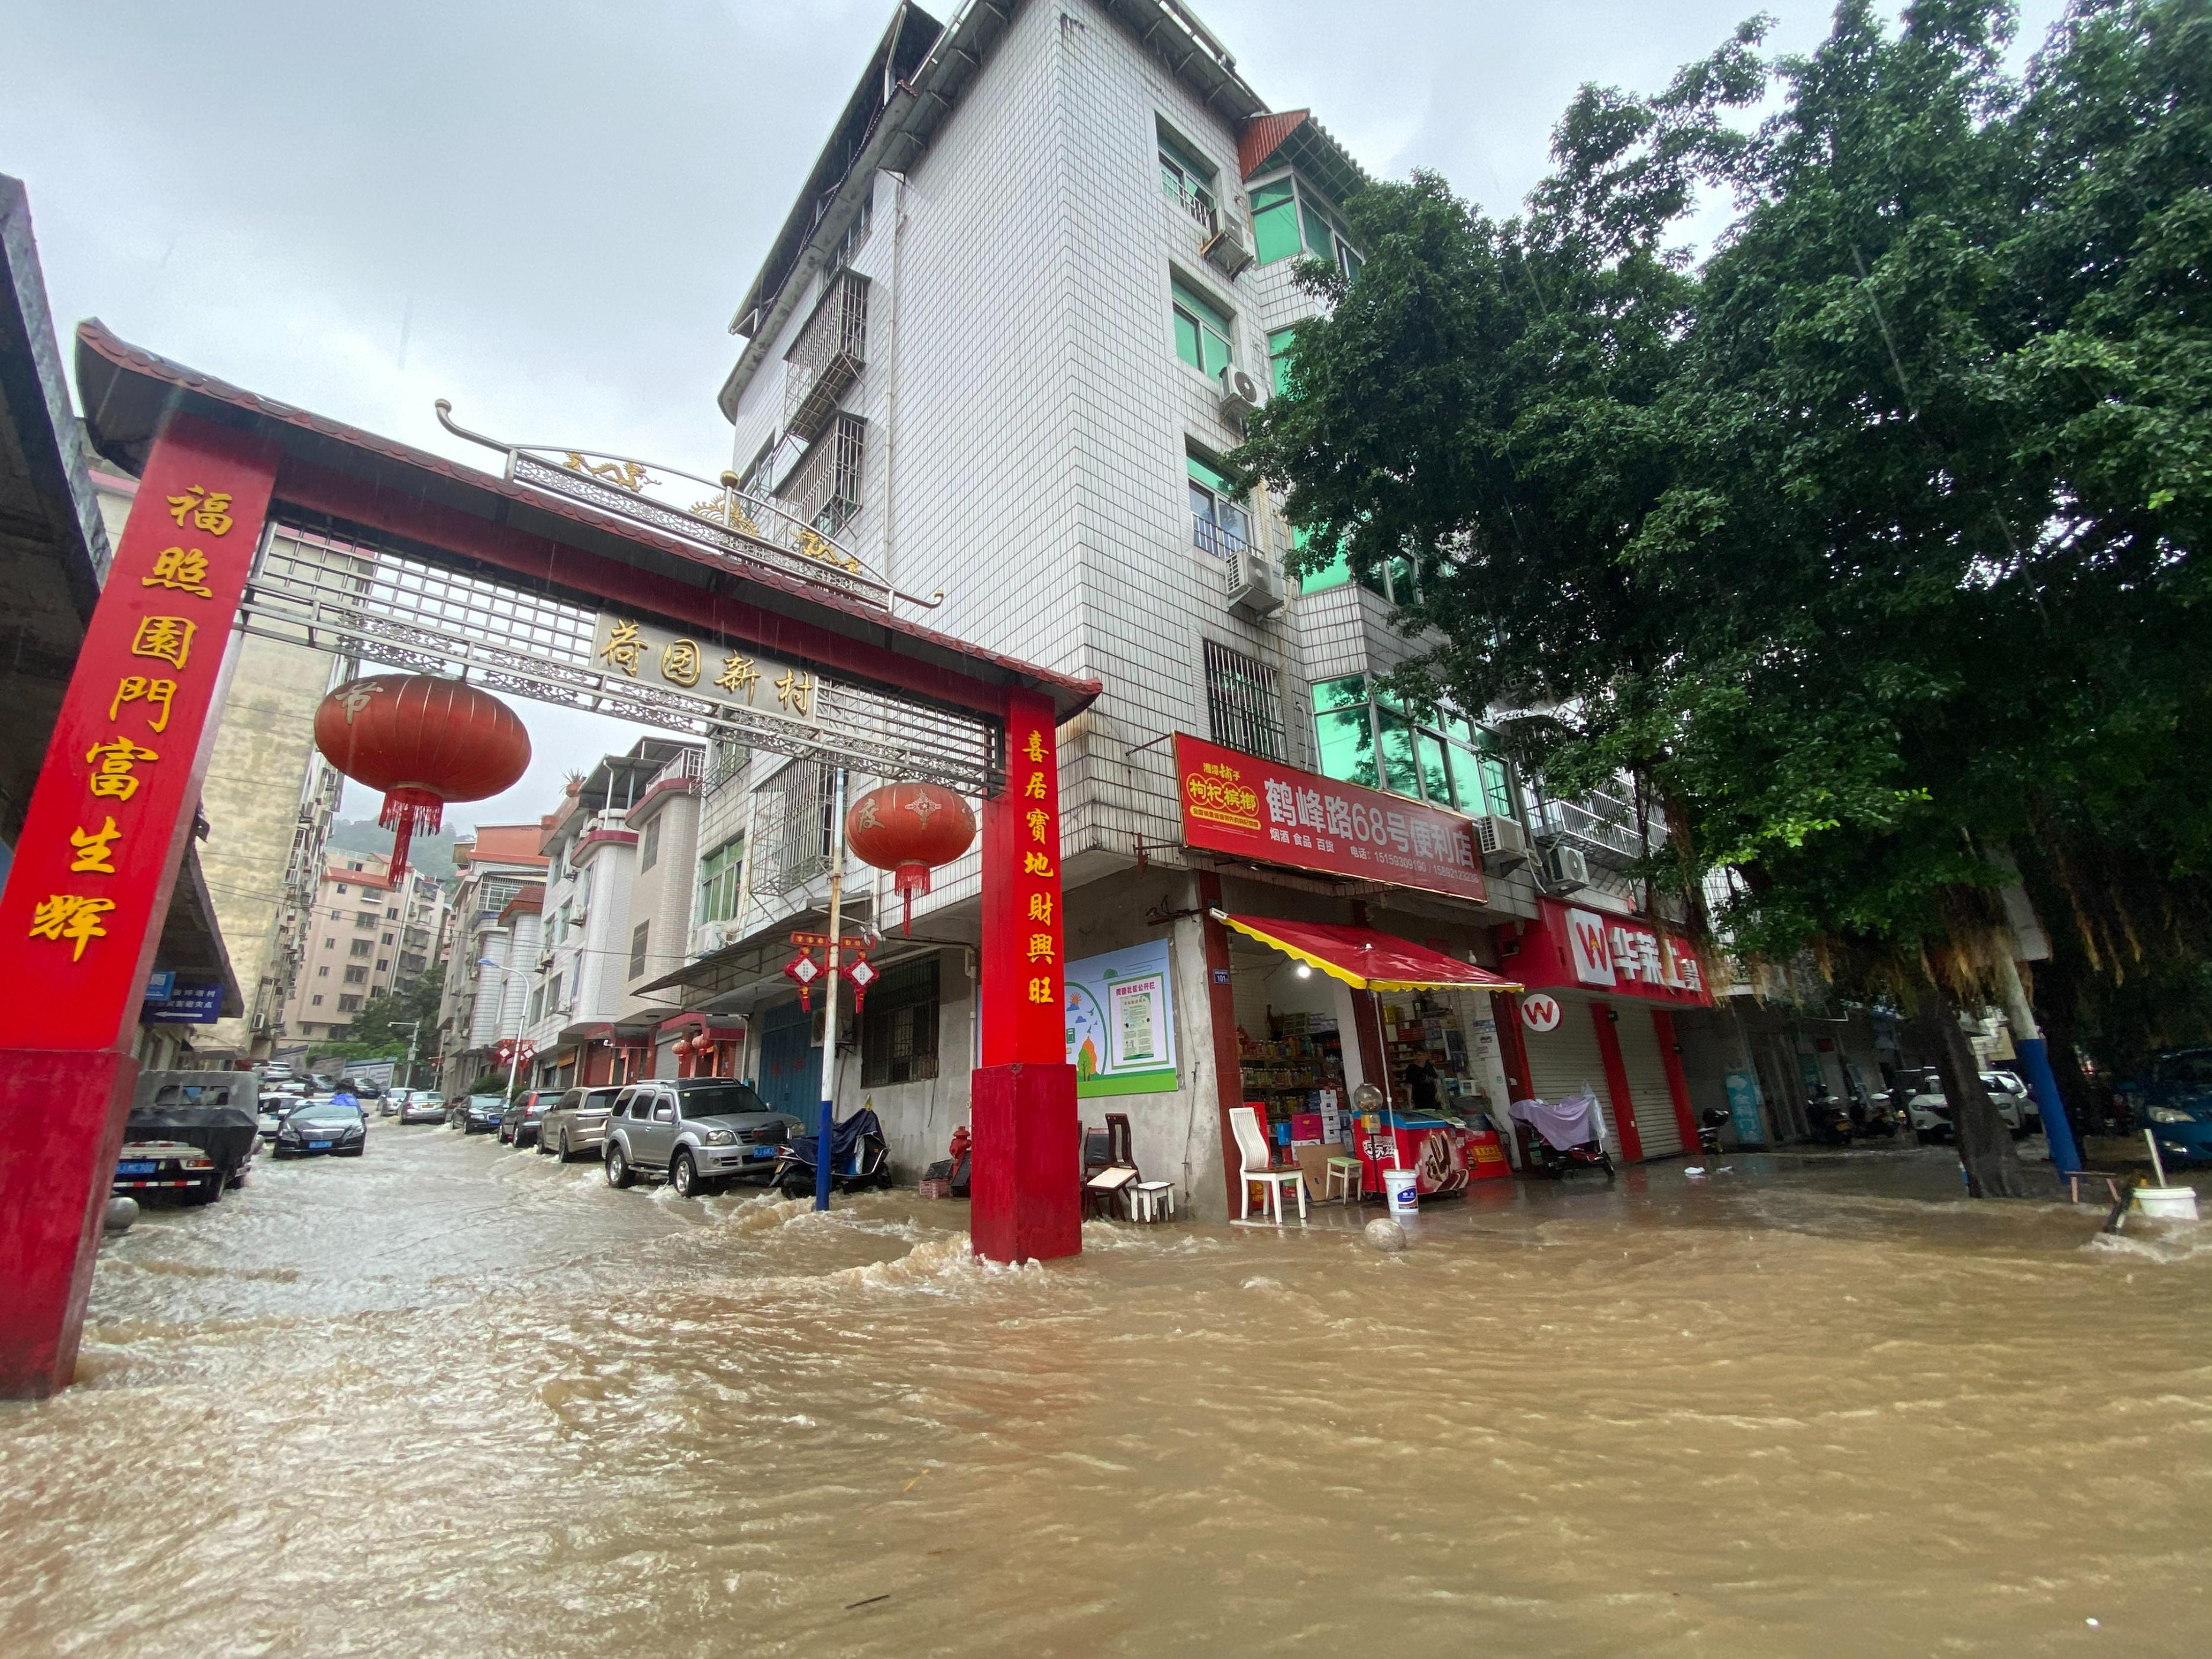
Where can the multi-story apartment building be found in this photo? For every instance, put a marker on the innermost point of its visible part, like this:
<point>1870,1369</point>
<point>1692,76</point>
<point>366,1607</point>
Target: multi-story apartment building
<point>366,935</point>
<point>620,851</point>
<point>493,916</point>
<point>269,801</point>
<point>1002,347</point>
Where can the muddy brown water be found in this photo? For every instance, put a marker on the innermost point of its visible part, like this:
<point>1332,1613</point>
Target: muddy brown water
<point>451,1399</point>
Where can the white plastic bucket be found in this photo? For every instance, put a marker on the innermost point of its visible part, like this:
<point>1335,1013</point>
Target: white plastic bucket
<point>1403,1189</point>
<point>2167,1203</point>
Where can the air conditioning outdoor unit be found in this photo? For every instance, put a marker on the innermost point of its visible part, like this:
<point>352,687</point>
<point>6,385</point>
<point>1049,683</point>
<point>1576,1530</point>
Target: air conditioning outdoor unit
<point>713,936</point>
<point>1227,249</point>
<point>1240,395</point>
<point>1565,870</point>
<point>1504,842</point>
<point>1255,582</point>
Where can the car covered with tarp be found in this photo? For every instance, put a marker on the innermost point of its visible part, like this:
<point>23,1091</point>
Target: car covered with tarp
<point>190,1135</point>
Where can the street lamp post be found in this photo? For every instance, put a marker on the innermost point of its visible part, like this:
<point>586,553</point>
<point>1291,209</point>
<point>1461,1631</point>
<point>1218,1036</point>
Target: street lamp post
<point>414,1034</point>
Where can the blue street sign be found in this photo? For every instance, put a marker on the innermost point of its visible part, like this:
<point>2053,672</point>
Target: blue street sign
<point>161,985</point>
<point>185,1004</point>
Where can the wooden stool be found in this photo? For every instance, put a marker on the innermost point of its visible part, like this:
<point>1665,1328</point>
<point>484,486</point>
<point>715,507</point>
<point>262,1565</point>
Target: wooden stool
<point>2075,1177</point>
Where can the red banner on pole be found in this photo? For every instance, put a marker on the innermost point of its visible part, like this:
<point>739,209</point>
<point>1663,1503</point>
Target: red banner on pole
<point>1260,808</point>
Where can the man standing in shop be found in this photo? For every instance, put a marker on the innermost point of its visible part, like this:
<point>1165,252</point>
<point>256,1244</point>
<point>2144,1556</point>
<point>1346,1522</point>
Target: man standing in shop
<point>1421,1083</point>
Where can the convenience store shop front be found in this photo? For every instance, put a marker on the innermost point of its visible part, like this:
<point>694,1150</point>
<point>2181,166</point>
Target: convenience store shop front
<point>1602,991</point>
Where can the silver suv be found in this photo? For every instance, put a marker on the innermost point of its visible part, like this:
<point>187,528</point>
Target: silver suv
<point>698,1131</point>
<point>578,1122</point>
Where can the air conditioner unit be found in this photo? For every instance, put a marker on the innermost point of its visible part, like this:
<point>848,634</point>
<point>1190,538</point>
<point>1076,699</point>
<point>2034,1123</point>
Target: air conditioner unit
<point>1241,394</point>
<point>1504,842</point>
<point>1565,870</point>
<point>1228,249</point>
<point>1255,582</point>
<point>713,936</point>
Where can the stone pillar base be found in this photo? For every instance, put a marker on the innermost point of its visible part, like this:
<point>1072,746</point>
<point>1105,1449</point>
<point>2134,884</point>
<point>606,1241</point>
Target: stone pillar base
<point>1026,1192</point>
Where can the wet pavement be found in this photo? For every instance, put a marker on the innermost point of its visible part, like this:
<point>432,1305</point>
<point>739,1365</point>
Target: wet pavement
<point>451,1400</point>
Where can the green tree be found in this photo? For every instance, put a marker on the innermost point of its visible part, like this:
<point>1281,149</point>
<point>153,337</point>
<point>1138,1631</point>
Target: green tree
<point>373,1020</point>
<point>1833,545</point>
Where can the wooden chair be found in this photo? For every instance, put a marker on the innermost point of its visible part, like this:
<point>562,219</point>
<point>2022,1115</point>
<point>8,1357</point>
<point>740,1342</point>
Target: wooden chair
<point>1260,1170</point>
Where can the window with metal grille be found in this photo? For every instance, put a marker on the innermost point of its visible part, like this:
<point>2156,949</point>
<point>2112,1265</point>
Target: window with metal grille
<point>1243,703</point>
<point>898,1027</point>
<point>851,437</point>
<point>640,937</point>
<point>648,850</point>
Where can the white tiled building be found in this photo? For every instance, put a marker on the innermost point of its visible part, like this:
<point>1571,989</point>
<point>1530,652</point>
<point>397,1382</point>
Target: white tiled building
<point>986,352</point>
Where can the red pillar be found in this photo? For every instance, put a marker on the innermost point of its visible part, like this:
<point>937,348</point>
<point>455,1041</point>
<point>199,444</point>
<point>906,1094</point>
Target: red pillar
<point>1221,1016</point>
<point>1616,1084</point>
<point>1512,1045</point>
<point>1027,1158</point>
<point>86,897</point>
<point>1678,1086</point>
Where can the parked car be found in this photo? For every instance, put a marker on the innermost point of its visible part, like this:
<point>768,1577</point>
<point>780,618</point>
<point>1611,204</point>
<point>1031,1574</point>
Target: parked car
<point>2172,1097</point>
<point>699,1132</point>
<point>479,1114</point>
<point>423,1106</point>
<point>577,1122</point>
<point>324,1126</point>
<point>166,1169</point>
<point>216,1112</point>
<point>1929,1109</point>
<point>518,1125</point>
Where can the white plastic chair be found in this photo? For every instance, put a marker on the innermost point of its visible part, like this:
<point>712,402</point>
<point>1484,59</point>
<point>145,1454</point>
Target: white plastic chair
<point>1259,1167</point>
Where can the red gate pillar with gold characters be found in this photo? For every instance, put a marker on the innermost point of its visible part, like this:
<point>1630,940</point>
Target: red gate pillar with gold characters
<point>1027,1203</point>
<point>86,897</point>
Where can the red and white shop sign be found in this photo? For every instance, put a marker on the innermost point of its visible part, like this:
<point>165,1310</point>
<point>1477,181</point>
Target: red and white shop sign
<point>1540,1012</point>
<point>1234,803</point>
<point>1570,945</point>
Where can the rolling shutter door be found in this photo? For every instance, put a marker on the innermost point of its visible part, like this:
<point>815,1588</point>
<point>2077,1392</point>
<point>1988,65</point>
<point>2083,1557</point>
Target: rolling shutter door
<point>1647,1083</point>
<point>1561,1060</point>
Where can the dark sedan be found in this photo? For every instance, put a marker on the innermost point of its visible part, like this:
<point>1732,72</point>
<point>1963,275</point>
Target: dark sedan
<point>324,1126</point>
<point>520,1123</point>
<point>480,1114</point>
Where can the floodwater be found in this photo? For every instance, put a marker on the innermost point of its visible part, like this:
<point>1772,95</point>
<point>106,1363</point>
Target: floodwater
<point>451,1400</point>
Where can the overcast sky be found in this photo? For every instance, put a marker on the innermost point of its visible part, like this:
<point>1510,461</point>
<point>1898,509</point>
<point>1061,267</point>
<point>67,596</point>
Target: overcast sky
<point>548,212</point>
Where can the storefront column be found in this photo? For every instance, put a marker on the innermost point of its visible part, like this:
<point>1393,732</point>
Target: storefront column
<point>1678,1086</point>
<point>1616,1085</point>
<point>1512,1045</point>
<point>1221,1020</point>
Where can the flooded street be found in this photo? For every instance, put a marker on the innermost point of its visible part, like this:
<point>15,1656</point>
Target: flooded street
<point>451,1400</point>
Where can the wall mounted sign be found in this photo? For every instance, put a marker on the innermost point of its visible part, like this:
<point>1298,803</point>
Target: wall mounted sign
<point>1540,1012</point>
<point>185,1004</point>
<point>1258,809</point>
<point>1121,1022</point>
<point>1573,947</point>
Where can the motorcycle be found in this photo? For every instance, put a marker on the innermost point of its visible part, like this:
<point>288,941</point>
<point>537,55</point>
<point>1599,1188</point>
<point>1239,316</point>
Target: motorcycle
<point>1829,1119</point>
<point>859,1156</point>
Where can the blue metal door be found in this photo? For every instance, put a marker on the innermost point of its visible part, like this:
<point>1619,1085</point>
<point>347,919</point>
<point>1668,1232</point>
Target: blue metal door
<point>791,1067</point>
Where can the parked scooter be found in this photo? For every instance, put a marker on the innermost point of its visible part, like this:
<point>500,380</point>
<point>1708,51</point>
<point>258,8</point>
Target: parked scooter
<point>859,1156</point>
<point>1829,1118</point>
<point>1711,1122</point>
<point>1560,1162</point>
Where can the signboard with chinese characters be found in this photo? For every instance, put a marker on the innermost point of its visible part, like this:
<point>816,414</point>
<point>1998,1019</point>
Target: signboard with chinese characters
<point>1121,1022</point>
<point>185,1004</point>
<point>1260,808</point>
<point>648,654</point>
<point>1617,956</point>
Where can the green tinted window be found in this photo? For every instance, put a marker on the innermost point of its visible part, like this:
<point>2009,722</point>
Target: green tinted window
<point>1320,241</point>
<point>1279,357</point>
<point>1201,333</point>
<point>1399,774</point>
<point>1335,573</point>
<point>1403,589</point>
<point>1436,781</point>
<point>1347,744</point>
<point>1478,782</point>
<point>1212,477</point>
<point>1188,345</point>
<point>1183,174</point>
<point>1274,221</point>
<point>1339,694</point>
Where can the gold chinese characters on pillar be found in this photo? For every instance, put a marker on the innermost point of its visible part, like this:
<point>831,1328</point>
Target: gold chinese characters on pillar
<point>629,650</point>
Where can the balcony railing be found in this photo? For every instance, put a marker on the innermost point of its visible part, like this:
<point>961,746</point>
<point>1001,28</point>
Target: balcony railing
<point>1603,826</point>
<point>1223,541</point>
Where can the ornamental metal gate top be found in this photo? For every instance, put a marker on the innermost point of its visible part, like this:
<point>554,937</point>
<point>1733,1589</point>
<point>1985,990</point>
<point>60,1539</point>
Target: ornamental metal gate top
<point>590,582</point>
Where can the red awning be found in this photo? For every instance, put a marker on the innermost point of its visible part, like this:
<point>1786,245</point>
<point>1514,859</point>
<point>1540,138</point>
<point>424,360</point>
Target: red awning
<point>1367,960</point>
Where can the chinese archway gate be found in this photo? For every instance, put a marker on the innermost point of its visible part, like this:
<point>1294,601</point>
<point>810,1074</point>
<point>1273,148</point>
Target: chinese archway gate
<point>564,580</point>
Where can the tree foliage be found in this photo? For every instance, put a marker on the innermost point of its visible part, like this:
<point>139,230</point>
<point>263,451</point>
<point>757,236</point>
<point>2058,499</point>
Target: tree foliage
<point>1866,547</point>
<point>370,1036</point>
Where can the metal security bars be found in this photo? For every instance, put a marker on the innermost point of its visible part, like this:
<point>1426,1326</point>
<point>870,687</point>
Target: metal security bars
<point>824,488</point>
<point>792,829</point>
<point>827,357</point>
<point>1243,703</point>
<point>318,585</point>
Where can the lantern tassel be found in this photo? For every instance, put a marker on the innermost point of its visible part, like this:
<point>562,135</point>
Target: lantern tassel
<point>910,879</point>
<point>406,810</point>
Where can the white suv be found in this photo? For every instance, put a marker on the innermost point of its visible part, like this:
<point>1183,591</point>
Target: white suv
<point>698,1131</point>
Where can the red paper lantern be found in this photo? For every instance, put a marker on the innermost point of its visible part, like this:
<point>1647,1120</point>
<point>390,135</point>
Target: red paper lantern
<point>423,742</point>
<point>908,828</point>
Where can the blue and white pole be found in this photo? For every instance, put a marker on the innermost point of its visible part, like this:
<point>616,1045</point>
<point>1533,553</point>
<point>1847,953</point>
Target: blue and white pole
<point>825,1123</point>
<point>2035,1061</point>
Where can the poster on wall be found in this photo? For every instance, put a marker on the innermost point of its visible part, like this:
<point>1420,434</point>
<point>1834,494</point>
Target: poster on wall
<point>1121,1022</point>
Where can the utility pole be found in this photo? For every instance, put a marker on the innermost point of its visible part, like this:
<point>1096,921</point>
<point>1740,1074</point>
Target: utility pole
<point>414,1033</point>
<point>824,1127</point>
